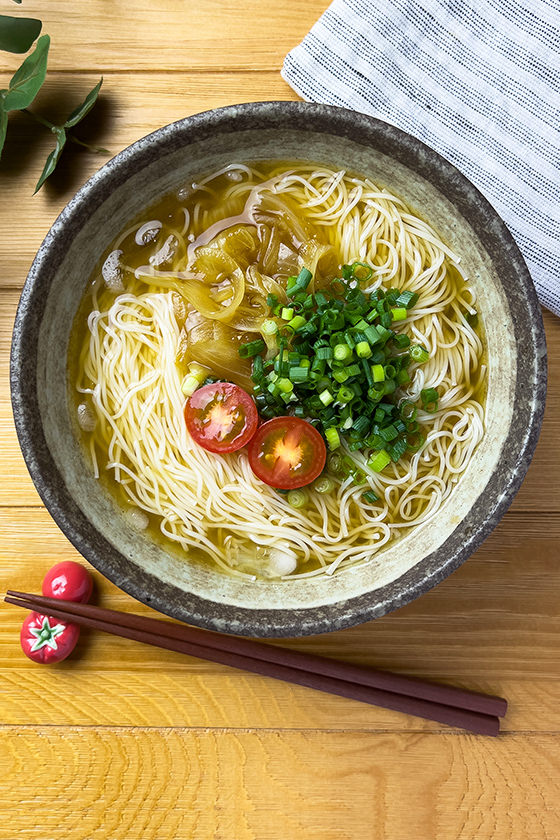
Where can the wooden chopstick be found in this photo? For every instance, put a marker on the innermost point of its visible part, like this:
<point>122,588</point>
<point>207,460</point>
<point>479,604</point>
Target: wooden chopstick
<point>248,655</point>
<point>394,683</point>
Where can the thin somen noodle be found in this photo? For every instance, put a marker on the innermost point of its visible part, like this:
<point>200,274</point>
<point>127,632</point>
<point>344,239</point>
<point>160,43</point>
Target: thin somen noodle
<point>188,284</point>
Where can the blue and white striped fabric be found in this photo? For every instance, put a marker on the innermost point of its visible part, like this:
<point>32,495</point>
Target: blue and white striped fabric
<point>477,80</point>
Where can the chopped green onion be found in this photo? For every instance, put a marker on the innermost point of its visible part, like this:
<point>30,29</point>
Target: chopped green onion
<point>361,271</point>
<point>419,353</point>
<point>342,352</point>
<point>361,425</point>
<point>363,350</point>
<point>370,497</point>
<point>323,484</point>
<point>408,410</point>
<point>367,371</point>
<point>415,445</point>
<point>397,449</point>
<point>297,498</point>
<point>430,398</point>
<point>257,370</point>
<point>297,322</point>
<point>401,340</point>
<point>345,395</point>
<point>334,462</point>
<point>388,433</point>
<point>389,386</point>
<point>372,334</point>
<point>383,332</point>
<point>378,372</point>
<point>269,327</point>
<point>251,348</point>
<point>299,374</point>
<point>379,461</point>
<point>407,299</point>
<point>284,385</point>
<point>349,340</point>
<point>299,283</point>
<point>340,376</point>
<point>337,361</point>
<point>333,441</point>
<point>375,394</point>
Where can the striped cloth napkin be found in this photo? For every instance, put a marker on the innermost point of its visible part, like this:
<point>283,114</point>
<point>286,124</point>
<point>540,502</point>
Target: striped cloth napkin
<point>477,80</point>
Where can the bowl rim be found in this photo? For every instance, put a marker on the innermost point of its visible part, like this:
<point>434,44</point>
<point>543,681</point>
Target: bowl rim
<point>24,360</point>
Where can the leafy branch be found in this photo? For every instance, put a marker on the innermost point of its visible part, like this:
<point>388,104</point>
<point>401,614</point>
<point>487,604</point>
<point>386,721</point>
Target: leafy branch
<point>17,35</point>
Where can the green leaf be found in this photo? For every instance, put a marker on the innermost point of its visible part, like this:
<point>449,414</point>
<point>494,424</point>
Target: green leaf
<point>27,80</point>
<point>17,1</point>
<point>17,34</point>
<point>79,113</point>
<point>53,158</point>
<point>3,127</point>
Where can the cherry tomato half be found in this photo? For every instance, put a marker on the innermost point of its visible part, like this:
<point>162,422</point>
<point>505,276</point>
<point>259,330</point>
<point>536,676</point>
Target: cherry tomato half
<point>287,452</point>
<point>221,417</point>
<point>68,580</point>
<point>46,640</point>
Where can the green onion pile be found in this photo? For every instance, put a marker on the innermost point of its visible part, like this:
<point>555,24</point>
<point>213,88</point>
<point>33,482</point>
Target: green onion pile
<point>336,360</point>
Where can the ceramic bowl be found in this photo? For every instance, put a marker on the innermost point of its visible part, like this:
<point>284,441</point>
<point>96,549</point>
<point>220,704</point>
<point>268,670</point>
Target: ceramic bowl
<point>159,163</point>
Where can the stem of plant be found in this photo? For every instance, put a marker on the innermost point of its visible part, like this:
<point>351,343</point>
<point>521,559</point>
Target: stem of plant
<point>38,118</point>
<point>95,149</point>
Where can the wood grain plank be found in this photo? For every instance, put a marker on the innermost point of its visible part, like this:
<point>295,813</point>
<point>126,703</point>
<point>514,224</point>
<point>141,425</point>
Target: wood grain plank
<point>177,694</point>
<point>69,784</point>
<point>208,35</point>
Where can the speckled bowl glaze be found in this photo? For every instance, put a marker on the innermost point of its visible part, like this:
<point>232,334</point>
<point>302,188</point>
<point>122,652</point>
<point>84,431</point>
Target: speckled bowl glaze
<point>160,163</point>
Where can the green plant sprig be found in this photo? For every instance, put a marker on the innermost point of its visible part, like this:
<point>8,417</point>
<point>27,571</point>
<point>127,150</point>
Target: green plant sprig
<point>17,35</point>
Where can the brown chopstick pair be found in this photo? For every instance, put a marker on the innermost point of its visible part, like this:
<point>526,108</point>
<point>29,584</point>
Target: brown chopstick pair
<point>456,707</point>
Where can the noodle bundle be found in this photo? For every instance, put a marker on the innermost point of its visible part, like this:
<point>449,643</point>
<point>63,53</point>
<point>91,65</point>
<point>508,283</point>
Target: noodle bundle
<point>188,284</point>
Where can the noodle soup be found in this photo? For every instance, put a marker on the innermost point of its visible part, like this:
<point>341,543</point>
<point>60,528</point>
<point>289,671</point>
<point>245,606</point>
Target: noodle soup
<point>328,301</point>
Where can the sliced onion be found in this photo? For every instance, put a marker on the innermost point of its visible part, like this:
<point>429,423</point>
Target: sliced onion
<point>137,518</point>
<point>281,562</point>
<point>166,253</point>
<point>87,418</point>
<point>112,272</point>
<point>147,232</point>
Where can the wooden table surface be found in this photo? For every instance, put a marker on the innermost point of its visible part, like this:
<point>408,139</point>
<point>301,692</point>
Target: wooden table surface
<point>124,742</point>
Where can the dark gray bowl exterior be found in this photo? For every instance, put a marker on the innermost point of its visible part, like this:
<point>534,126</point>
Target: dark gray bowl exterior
<point>474,528</point>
